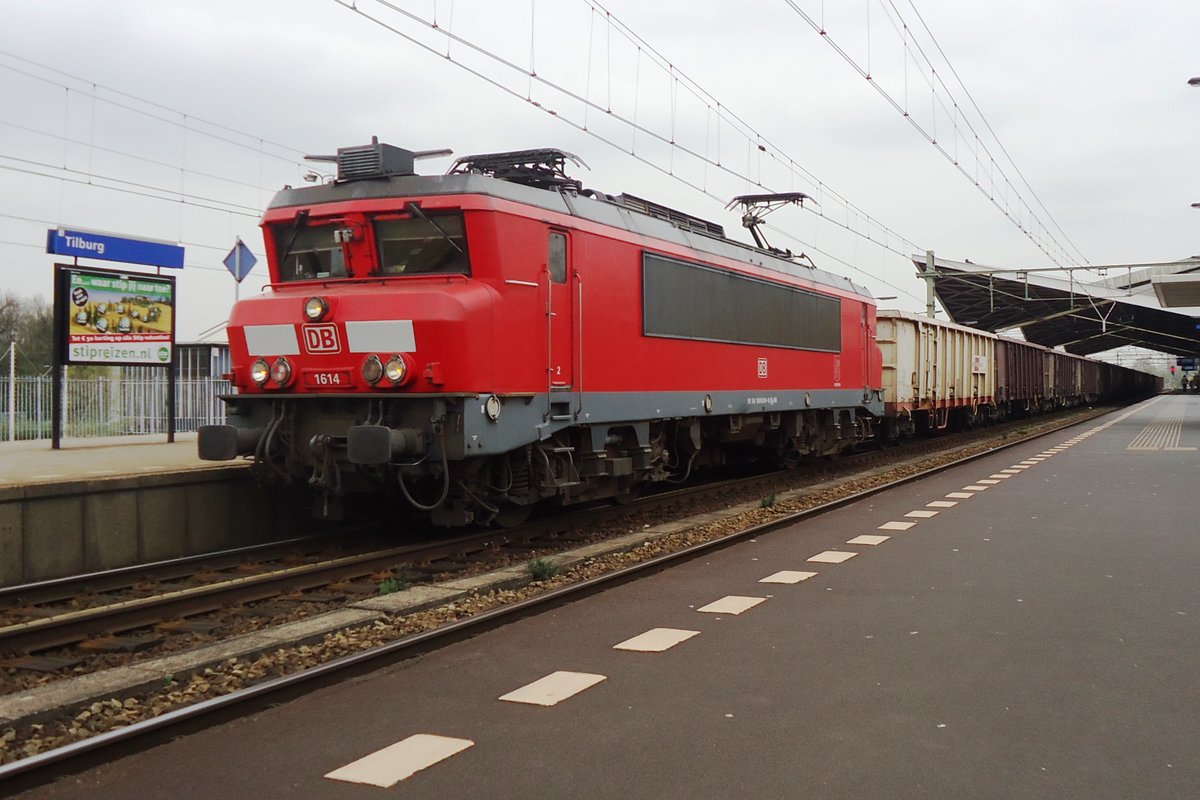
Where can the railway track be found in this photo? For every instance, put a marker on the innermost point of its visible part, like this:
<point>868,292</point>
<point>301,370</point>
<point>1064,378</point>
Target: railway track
<point>535,536</point>
<point>101,616</point>
<point>187,588</point>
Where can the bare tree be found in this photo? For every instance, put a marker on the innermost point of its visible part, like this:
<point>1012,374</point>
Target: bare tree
<point>30,323</point>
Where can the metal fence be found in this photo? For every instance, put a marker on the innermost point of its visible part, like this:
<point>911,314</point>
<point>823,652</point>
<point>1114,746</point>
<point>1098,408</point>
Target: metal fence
<point>109,406</point>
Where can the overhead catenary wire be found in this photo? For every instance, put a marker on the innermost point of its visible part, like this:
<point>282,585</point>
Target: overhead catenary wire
<point>296,154</point>
<point>174,196</point>
<point>988,125</point>
<point>1053,248</point>
<point>762,147</point>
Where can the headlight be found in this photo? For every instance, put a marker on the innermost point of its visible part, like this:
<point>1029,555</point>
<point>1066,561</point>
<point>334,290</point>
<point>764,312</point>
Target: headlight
<point>259,372</point>
<point>396,370</point>
<point>281,371</point>
<point>315,309</point>
<point>372,370</point>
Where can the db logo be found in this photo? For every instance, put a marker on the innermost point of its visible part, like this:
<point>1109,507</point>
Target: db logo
<point>321,339</point>
<point>762,368</point>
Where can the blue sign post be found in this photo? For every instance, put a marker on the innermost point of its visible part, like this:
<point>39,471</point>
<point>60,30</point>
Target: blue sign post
<point>239,262</point>
<point>110,247</point>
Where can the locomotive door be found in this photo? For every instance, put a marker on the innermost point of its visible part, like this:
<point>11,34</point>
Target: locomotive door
<point>560,313</point>
<point>866,351</point>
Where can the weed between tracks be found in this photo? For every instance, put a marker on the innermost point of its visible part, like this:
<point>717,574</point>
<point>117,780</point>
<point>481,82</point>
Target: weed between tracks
<point>400,580</point>
<point>542,568</point>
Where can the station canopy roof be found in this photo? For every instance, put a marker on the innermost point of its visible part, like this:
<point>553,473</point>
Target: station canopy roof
<point>1126,308</point>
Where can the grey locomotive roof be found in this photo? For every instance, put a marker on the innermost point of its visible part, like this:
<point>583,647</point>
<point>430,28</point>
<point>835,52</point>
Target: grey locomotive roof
<point>600,209</point>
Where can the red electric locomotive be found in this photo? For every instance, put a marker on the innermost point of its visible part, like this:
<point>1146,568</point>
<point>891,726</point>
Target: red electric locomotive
<point>485,340</point>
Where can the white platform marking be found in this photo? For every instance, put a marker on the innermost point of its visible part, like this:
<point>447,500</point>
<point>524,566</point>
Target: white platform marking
<point>788,576</point>
<point>959,495</point>
<point>656,640</point>
<point>974,487</point>
<point>732,604</point>
<point>392,764</point>
<point>868,538</point>
<point>922,514</point>
<point>553,689</point>
<point>1008,473</point>
<point>832,557</point>
<point>988,481</point>
<point>896,525</point>
<point>942,503</point>
<point>1018,467</point>
<point>1030,462</point>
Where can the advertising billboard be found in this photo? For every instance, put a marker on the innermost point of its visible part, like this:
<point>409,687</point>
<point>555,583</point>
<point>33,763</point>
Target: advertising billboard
<point>114,318</point>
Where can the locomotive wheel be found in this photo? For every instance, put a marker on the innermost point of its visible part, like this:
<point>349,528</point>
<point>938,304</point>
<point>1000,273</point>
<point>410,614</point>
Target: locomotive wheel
<point>511,515</point>
<point>627,497</point>
<point>791,459</point>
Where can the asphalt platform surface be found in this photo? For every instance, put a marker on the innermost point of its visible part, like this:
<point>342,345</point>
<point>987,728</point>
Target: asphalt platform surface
<point>1035,637</point>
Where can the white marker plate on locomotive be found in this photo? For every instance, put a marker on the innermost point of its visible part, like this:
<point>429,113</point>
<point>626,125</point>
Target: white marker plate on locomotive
<point>327,379</point>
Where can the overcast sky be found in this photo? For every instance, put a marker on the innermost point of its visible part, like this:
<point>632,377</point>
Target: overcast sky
<point>199,111</point>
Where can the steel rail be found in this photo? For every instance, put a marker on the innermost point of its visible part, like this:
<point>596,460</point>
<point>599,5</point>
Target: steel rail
<point>426,641</point>
<point>41,634</point>
<point>68,628</point>
<point>119,577</point>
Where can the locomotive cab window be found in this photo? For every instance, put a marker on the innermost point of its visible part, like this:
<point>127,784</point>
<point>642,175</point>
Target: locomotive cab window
<point>308,252</point>
<point>433,243</point>
<point>557,260</point>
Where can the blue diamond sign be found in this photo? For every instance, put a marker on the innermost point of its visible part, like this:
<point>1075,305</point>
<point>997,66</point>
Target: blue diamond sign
<point>240,261</point>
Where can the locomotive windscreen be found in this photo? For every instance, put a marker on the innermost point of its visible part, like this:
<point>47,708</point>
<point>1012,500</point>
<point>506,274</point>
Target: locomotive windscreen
<point>689,301</point>
<point>424,243</point>
<point>405,245</point>
<point>308,252</point>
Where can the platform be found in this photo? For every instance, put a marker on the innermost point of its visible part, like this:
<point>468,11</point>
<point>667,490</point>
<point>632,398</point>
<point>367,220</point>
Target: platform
<point>27,462</point>
<point>98,504</point>
<point>1022,626</point>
